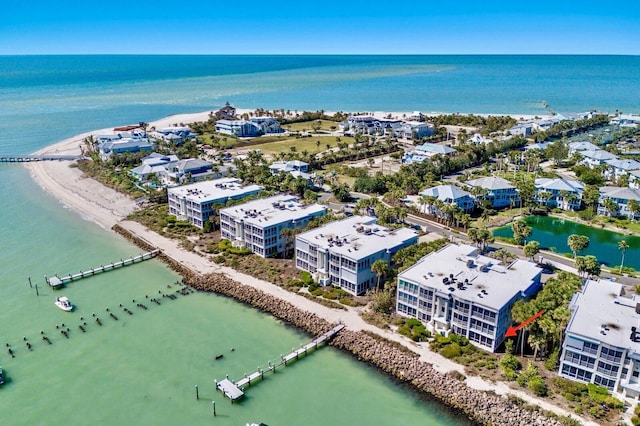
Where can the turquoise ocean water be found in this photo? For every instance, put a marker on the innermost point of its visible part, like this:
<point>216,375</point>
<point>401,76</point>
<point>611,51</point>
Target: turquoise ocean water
<point>142,369</point>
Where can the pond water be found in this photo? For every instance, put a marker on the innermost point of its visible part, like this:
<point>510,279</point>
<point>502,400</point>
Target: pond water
<point>552,234</point>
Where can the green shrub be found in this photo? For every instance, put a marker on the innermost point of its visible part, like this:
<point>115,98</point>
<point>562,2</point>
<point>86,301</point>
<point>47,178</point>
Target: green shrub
<point>306,278</point>
<point>597,393</point>
<point>510,361</point>
<point>577,389</point>
<point>451,351</point>
<point>596,412</point>
<point>509,374</point>
<point>551,363</point>
<point>636,410</point>
<point>347,301</point>
<point>538,386</point>
<point>635,421</point>
<point>578,410</point>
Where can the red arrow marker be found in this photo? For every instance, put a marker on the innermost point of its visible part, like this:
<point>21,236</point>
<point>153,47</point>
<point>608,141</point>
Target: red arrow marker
<point>512,331</point>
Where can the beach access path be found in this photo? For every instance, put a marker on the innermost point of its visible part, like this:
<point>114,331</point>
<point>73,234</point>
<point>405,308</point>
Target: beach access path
<point>106,207</point>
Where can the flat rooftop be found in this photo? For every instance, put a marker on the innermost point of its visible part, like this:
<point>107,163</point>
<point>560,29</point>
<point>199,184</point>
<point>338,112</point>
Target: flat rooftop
<point>272,210</point>
<point>218,189</point>
<point>357,237</point>
<point>602,312</point>
<point>476,278</point>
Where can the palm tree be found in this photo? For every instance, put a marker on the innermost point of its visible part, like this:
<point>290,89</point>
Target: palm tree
<point>544,197</point>
<point>623,246</point>
<point>611,206</point>
<point>381,268</point>
<point>287,234</point>
<point>577,243</point>
<point>634,208</point>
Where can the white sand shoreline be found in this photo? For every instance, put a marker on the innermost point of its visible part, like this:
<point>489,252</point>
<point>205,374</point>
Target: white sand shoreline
<point>106,207</point>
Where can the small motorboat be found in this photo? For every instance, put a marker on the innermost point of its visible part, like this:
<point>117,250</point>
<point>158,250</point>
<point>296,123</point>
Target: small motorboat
<point>64,303</point>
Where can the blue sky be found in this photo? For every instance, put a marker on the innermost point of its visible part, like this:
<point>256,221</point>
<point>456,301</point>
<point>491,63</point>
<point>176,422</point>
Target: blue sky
<point>355,26</point>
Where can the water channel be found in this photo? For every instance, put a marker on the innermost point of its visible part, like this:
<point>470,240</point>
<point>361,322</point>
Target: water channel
<point>552,233</point>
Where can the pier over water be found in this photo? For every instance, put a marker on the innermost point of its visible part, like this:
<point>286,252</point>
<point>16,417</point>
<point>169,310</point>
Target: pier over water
<point>235,390</point>
<point>57,281</point>
<point>31,158</point>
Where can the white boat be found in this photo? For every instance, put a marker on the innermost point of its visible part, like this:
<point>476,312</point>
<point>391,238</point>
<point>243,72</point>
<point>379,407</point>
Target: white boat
<point>63,303</point>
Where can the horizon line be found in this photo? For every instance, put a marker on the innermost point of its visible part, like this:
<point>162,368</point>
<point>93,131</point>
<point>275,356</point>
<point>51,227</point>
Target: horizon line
<point>317,54</point>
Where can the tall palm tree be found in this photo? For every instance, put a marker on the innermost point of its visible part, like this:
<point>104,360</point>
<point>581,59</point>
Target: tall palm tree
<point>623,246</point>
<point>381,268</point>
<point>634,208</point>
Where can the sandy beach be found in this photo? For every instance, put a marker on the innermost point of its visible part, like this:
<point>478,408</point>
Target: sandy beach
<point>106,207</point>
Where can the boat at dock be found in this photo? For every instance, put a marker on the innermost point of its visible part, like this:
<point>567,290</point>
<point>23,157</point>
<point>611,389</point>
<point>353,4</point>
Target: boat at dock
<point>63,303</point>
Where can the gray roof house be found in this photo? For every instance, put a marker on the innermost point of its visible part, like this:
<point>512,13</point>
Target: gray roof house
<point>581,146</point>
<point>619,167</point>
<point>596,158</point>
<point>499,192</point>
<point>620,196</point>
<point>566,194</point>
<point>634,179</point>
<point>449,194</point>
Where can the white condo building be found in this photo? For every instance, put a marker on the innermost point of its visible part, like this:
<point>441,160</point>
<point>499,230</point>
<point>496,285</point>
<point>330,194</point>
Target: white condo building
<point>342,252</point>
<point>195,203</point>
<point>457,290</point>
<point>602,338</point>
<point>258,224</point>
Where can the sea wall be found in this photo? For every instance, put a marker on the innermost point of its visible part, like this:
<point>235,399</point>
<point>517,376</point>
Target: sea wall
<point>400,363</point>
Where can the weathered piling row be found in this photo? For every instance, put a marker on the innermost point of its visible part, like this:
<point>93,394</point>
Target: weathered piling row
<point>482,407</point>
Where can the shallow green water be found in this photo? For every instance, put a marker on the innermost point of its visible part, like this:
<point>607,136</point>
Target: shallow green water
<point>552,233</point>
<point>142,369</point>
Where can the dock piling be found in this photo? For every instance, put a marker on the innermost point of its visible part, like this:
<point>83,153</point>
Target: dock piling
<point>197,395</point>
<point>37,294</point>
<point>214,408</point>
<point>30,282</point>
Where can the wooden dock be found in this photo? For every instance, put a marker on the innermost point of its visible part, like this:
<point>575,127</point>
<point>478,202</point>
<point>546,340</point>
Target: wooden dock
<point>235,390</point>
<point>57,281</point>
<point>31,158</point>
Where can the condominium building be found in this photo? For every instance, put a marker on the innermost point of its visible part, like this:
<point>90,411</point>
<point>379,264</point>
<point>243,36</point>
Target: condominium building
<point>602,338</point>
<point>195,203</point>
<point>457,290</point>
<point>258,224</point>
<point>342,252</point>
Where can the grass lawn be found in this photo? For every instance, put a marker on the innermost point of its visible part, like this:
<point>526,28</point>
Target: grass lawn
<point>301,144</point>
<point>340,177</point>
<point>615,224</point>
<point>308,126</point>
<point>225,142</point>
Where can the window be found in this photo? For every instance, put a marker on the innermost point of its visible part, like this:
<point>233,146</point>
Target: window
<point>578,359</point>
<point>576,373</point>
<point>608,369</point>
<point>607,383</point>
<point>611,354</point>
<point>406,309</point>
<point>591,348</point>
